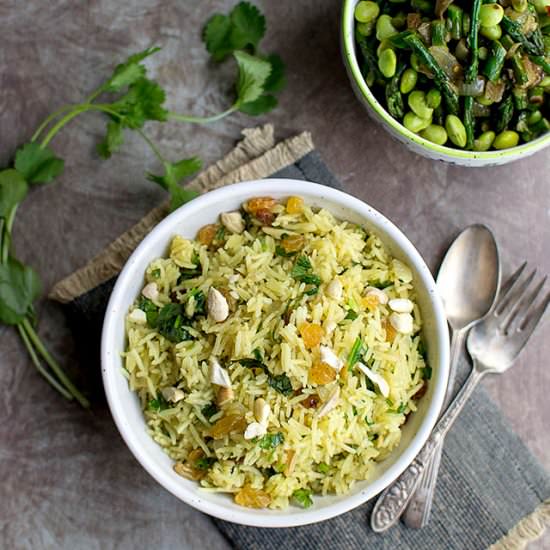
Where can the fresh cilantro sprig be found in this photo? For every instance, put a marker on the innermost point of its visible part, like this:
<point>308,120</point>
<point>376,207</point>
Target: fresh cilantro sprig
<point>128,99</point>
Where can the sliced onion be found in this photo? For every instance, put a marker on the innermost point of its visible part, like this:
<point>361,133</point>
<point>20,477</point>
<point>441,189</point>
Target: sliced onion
<point>474,89</point>
<point>480,110</point>
<point>448,62</point>
<point>494,91</point>
<point>441,7</point>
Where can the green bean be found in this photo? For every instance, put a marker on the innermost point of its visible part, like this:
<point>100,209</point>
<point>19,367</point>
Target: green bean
<point>521,101</point>
<point>541,61</point>
<point>439,33</point>
<point>435,133</point>
<point>433,98</point>
<point>513,28</point>
<point>506,139</point>
<point>520,73</point>
<point>504,114</point>
<point>384,27</point>
<point>469,121</point>
<point>441,79</point>
<point>455,130</point>
<point>536,95</point>
<point>484,141</point>
<point>365,12</point>
<point>417,103</point>
<point>471,71</point>
<point>490,15</point>
<point>414,123</point>
<point>387,62</point>
<point>394,99</point>
<point>408,81</point>
<point>454,19</point>
<point>491,33</point>
<point>495,61</point>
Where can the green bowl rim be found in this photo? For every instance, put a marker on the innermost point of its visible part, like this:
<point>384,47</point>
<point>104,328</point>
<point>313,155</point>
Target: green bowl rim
<point>350,59</point>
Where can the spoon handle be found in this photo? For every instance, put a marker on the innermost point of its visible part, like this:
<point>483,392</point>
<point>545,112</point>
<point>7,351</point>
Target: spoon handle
<point>394,499</point>
<point>417,513</point>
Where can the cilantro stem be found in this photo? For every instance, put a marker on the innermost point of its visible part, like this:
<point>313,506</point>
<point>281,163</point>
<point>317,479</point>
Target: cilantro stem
<point>34,338</point>
<point>47,121</point>
<point>153,147</point>
<point>5,235</point>
<point>65,120</point>
<point>39,367</point>
<point>202,120</point>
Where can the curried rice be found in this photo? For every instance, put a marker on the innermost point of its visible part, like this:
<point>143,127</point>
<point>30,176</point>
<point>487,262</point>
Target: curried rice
<point>267,356</point>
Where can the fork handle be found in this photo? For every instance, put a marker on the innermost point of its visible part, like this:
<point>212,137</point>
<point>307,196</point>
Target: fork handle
<point>418,510</point>
<point>394,499</point>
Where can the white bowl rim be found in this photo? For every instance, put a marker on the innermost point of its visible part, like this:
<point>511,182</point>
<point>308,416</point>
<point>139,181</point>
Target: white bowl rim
<point>350,59</point>
<point>110,369</point>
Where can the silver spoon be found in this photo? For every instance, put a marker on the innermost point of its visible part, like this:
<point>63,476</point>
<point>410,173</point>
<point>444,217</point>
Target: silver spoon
<point>468,283</point>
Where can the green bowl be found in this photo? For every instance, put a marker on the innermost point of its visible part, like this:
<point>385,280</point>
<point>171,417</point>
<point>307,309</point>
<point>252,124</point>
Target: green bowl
<point>413,141</point>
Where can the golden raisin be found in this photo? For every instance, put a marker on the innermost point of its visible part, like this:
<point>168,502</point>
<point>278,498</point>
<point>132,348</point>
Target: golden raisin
<point>370,301</point>
<point>293,243</point>
<point>311,401</point>
<point>294,205</point>
<point>226,425</point>
<point>390,332</point>
<point>259,203</point>
<point>252,498</point>
<point>264,216</point>
<point>311,334</point>
<point>207,233</point>
<point>188,471</point>
<point>321,373</point>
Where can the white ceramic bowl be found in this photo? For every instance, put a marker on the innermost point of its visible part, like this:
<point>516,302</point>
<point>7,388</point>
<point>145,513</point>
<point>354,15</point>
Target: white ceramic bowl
<point>186,221</point>
<point>413,141</point>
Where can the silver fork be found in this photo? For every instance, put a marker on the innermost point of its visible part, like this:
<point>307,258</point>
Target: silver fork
<point>494,345</point>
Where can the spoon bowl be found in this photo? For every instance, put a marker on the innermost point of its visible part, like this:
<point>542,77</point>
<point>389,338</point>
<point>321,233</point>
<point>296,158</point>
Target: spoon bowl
<point>469,277</point>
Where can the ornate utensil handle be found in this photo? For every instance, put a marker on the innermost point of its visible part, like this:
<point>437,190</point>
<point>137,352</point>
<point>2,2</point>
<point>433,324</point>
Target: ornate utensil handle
<point>417,513</point>
<point>394,499</point>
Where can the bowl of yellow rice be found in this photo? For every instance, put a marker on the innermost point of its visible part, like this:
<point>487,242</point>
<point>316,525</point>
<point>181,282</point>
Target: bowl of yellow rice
<point>274,353</point>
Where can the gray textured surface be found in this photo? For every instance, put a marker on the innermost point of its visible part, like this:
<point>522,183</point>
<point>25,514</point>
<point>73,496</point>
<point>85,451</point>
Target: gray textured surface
<point>68,480</point>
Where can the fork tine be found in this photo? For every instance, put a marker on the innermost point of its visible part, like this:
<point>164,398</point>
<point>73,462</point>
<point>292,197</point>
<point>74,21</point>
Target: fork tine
<point>507,289</point>
<point>517,301</point>
<point>530,322</point>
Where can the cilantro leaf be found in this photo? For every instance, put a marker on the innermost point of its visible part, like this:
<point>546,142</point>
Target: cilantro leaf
<point>248,26</point>
<point>204,462</point>
<point>280,383</point>
<point>303,497</point>
<point>38,164</point>
<point>19,287</point>
<point>170,323</point>
<point>125,74</point>
<point>174,173</point>
<point>427,372</point>
<point>355,353</point>
<point>112,141</point>
<point>323,468</point>
<point>13,189</point>
<point>301,267</point>
<point>142,102</point>
<point>263,104</point>
<point>150,309</point>
<point>158,404</point>
<point>217,36</point>
<point>280,251</point>
<point>270,441</point>
<point>351,315</point>
<point>209,410</point>
<point>276,80</point>
<point>253,73</point>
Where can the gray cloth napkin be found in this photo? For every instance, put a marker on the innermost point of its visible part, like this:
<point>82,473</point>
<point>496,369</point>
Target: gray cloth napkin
<point>489,484</point>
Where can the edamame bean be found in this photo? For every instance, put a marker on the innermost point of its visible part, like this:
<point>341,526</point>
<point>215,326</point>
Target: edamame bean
<point>414,123</point>
<point>387,63</point>
<point>506,139</point>
<point>534,117</point>
<point>408,81</point>
<point>433,98</point>
<point>484,100</point>
<point>417,103</point>
<point>366,29</point>
<point>384,45</point>
<point>482,53</point>
<point>365,12</point>
<point>545,82</point>
<point>455,130</point>
<point>415,63</point>
<point>492,33</point>
<point>384,27</point>
<point>519,5</point>
<point>484,141</point>
<point>435,133</point>
<point>490,15</point>
<point>541,5</point>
